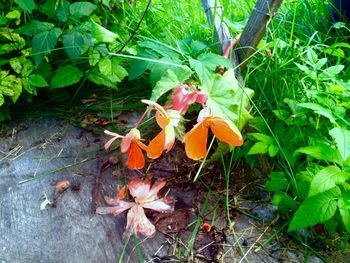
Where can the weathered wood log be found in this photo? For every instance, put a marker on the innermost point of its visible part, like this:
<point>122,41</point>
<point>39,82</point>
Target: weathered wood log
<point>263,12</point>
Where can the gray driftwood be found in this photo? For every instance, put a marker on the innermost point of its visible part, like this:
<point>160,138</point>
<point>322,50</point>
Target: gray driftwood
<point>69,232</point>
<point>263,12</point>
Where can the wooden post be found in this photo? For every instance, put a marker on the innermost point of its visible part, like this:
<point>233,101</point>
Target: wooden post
<point>263,12</point>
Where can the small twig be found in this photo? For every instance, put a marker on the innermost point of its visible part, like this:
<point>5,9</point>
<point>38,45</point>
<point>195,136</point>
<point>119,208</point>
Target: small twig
<point>137,27</point>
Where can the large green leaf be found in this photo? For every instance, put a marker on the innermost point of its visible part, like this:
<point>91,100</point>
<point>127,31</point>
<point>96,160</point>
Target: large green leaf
<point>66,76</point>
<point>227,99</point>
<point>315,209</point>
<point>112,69</point>
<point>10,86</point>
<point>284,202</point>
<point>205,65</point>
<point>321,151</point>
<point>171,80</point>
<point>75,43</point>
<point>43,43</point>
<point>327,179</point>
<point>101,34</point>
<point>37,80</point>
<point>34,27</point>
<point>344,209</point>
<point>277,182</point>
<point>342,139</point>
<point>317,108</point>
<point>26,5</point>
<point>62,12</point>
<point>79,9</point>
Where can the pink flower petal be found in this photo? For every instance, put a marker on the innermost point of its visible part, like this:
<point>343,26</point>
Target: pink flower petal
<point>165,204</point>
<point>125,144</point>
<point>153,192</point>
<point>138,222</point>
<point>115,136</point>
<point>120,207</point>
<point>138,189</point>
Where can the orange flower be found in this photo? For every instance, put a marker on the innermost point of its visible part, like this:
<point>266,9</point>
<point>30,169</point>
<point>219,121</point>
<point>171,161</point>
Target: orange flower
<point>132,145</point>
<point>168,120</point>
<point>196,139</point>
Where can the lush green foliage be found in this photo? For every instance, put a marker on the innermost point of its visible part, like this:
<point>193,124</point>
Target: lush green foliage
<point>305,127</point>
<point>54,45</point>
<point>300,75</point>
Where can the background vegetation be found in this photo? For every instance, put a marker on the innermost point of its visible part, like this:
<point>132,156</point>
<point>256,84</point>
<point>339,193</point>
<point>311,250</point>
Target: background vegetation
<point>56,53</point>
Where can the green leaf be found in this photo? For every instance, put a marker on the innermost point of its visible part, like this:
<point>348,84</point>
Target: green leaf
<point>315,209</point>
<point>344,209</point>
<point>284,202</point>
<point>101,34</point>
<point>75,43</point>
<point>331,72</point>
<point>43,43</point>
<point>342,139</point>
<point>318,109</point>
<point>2,99</point>
<point>94,57</point>
<point>3,21</point>
<point>305,69</point>
<point>62,12</point>
<point>263,138</point>
<point>321,63</point>
<point>273,150</point>
<point>112,70</point>
<point>66,76</point>
<point>205,65</point>
<point>26,5</point>
<point>277,182</point>
<point>321,151</point>
<point>48,8</point>
<point>171,80</point>
<point>15,14</point>
<point>80,9</point>
<point>259,148</point>
<point>162,50</point>
<point>227,99</point>
<point>327,179</point>
<point>34,27</point>
<point>311,56</point>
<point>37,81</point>
<point>202,71</point>
<point>10,86</point>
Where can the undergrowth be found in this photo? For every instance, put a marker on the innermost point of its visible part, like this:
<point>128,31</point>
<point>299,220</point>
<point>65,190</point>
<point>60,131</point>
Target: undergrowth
<point>299,73</point>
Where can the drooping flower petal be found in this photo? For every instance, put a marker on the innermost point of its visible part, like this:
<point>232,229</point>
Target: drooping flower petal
<point>196,141</point>
<point>184,96</point>
<point>138,222</point>
<point>119,207</point>
<point>138,189</point>
<point>115,136</point>
<point>135,159</point>
<point>225,132</point>
<point>165,204</point>
<point>156,146</point>
<point>153,192</point>
<point>169,137</point>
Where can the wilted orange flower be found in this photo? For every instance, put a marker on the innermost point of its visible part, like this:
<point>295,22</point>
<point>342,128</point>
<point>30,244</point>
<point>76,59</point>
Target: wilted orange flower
<point>168,120</point>
<point>145,196</point>
<point>132,145</point>
<point>196,139</point>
